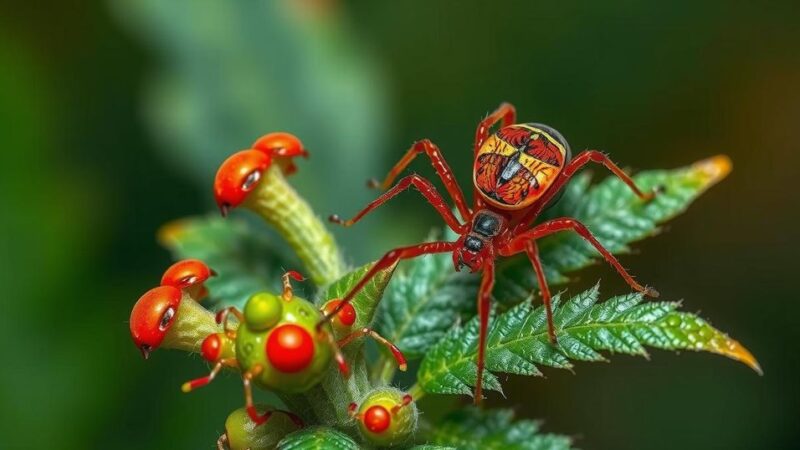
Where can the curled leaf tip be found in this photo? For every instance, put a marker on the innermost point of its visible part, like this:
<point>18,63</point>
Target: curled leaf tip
<point>734,350</point>
<point>713,169</point>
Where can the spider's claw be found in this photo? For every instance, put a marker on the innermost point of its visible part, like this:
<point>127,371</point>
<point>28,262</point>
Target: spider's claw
<point>650,292</point>
<point>335,219</point>
<point>657,190</point>
<point>372,183</point>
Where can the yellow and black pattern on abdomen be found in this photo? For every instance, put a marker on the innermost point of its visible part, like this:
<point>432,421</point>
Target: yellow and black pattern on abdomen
<point>509,191</point>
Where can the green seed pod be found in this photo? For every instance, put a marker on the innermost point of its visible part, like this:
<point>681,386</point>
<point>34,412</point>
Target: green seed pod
<point>191,326</point>
<point>241,433</point>
<point>386,417</point>
<point>292,355</point>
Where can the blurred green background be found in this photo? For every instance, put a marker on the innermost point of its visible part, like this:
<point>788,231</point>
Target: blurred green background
<point>115,115</point>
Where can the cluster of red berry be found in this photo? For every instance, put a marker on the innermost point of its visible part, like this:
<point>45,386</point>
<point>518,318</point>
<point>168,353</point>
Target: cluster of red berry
<point>277,342</point>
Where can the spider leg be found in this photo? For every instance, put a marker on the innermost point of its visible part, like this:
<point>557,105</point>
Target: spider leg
<point>388,260</point>
<point>484,300</point>
<point>505,112</point>
<point>398,355</point>
<point>601,158</point>
<point>570,169</point>
<point>439,165</point>
<point>344,369</point>
<point>533,255</point>
<point>566,223</point>
<point>287,284</point>
<point>222,317</point>
<point>424,187</point>
<point>250,407</point>
<point>200,382</point>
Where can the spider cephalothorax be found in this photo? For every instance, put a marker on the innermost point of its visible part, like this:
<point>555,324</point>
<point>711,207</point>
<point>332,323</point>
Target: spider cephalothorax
<point>517,171</point>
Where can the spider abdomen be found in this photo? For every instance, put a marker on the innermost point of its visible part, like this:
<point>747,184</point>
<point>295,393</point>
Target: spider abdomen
<point>517,164</point>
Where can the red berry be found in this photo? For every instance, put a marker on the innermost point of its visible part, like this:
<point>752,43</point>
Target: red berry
<point>152,315</point>
<point>239,175</point>
<point>280,144</point>
<point>377,419</point>
<point>211,348</point>
<point>290,348</point>
<point>186,273</point>
<point>346,316</point>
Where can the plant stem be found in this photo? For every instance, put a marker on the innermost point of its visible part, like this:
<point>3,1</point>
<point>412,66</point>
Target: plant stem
<point>416,392</point>
<point>280,205</point>
<point>192,324</point>
<point>383,370</point>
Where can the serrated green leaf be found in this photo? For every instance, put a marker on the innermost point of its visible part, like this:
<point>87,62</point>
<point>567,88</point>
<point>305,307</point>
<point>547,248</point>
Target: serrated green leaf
<point>317,438</point>
<point>243,258</point>
<point>472,428</point>
<point>517,340</point>
<point>614,215</point>
<point>423,301</point>
<point>367,299</point>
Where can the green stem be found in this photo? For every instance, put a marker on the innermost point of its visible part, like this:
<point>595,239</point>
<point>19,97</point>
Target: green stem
<point>416,392</point>
<point>327,402</point>
<point>192,324</point>
<point>280,205</point>
<point>383,370</point>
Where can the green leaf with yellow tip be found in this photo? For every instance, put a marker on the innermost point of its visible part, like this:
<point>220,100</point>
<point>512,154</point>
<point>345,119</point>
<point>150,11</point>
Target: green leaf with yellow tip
<point>613,214</point>
<point>245,261</point>
<point>476,429</point>
<point>517,340</point>
<point>317,438</point>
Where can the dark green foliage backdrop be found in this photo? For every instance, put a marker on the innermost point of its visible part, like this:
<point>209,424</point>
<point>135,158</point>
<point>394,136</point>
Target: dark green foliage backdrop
<point>85,181</point>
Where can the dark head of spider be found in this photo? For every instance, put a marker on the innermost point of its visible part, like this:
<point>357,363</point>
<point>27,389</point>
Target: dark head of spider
<point>475,247</point>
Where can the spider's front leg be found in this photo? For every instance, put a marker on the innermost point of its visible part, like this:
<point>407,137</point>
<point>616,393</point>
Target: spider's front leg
<point>424,187</point>
<point>388,260</point>
<point>439,165</point>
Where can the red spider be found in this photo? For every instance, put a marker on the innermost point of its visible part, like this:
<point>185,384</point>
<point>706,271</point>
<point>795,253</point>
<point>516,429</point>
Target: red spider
<point>517,172</point>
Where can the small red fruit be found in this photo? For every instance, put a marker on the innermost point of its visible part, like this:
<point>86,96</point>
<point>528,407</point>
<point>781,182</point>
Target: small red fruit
<point>152,316</point>
<point>290,348</point>
<point>346,316</point>
<point>377,419</point>
<point>188,275</point>
<point>237,176</point>
<point>280,144</point>
<point>211,349</point>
